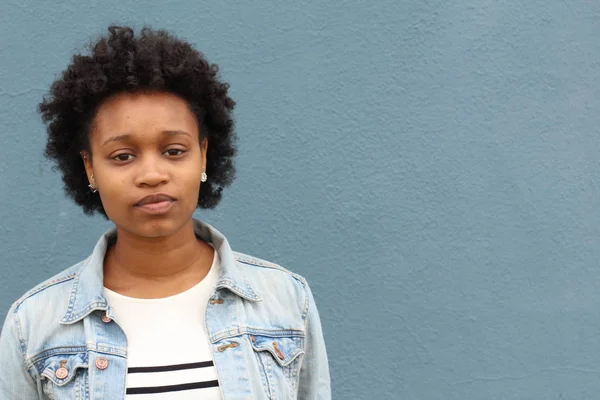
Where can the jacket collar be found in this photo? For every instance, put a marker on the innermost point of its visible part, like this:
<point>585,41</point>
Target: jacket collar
<point>87,293</point>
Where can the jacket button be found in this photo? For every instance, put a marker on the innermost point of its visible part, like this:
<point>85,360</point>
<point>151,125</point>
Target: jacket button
<point>61,373</point>
<point>101,363</point>
<point>105,318</point>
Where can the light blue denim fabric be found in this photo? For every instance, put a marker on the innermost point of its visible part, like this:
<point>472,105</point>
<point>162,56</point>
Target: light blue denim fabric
<point>265,333</point>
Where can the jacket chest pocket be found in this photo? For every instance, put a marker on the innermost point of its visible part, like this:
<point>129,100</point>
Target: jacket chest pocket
<point>65,377</point>
<point>279,360</point>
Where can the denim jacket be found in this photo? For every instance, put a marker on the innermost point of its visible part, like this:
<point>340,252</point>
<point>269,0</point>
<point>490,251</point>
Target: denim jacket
<point>60,323</point>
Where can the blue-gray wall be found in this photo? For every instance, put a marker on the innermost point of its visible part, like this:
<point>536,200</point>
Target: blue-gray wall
<point>431,167</point>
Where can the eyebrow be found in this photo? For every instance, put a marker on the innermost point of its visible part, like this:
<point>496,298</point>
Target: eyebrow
<point>127,136</point>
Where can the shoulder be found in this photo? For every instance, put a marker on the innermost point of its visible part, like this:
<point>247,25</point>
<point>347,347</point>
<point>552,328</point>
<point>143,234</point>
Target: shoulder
<point>267,267</point>
<point>274,281</point>
<point>51,292</point>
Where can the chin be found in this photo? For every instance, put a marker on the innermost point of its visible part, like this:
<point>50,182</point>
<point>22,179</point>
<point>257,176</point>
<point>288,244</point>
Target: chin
<point>153,227</point>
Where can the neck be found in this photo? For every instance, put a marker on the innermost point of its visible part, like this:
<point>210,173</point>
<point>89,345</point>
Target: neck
<point>156,267</point>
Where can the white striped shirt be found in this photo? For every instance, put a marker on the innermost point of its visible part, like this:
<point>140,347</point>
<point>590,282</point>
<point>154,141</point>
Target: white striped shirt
<point>168,352</point>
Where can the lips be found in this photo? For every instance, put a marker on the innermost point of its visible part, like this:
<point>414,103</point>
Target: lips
<point>154,198</point>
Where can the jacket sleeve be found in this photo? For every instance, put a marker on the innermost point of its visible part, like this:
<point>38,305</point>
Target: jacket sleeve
<point>315,381</point>
<point>15,381</point>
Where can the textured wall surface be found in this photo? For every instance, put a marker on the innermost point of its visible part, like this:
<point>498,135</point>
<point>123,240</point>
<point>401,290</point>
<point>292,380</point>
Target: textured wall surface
<point>431,167</point>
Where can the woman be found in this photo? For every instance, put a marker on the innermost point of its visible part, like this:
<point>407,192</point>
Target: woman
<point>142,132</point>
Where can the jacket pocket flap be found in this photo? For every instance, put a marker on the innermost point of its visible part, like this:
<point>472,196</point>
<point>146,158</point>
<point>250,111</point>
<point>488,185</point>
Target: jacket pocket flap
<point>283,349</point>
<point>61,369</point>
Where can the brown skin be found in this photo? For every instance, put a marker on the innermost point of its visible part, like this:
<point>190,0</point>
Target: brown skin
<point>155,255</point>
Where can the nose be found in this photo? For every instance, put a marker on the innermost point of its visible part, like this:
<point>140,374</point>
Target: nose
<point>151,171</point>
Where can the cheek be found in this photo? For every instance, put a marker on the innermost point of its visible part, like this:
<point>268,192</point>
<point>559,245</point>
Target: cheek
<point>112,192</point>
<point>191,186</point>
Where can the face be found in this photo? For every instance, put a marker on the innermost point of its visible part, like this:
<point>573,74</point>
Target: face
<point>146,144</point>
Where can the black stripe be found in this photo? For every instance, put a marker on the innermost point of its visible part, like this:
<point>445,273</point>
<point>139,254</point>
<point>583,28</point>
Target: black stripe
<point>163,368</point>
<point>172,388</point>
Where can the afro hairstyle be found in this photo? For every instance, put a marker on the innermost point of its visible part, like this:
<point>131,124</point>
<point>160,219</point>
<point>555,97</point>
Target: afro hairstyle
<point>154,60</point>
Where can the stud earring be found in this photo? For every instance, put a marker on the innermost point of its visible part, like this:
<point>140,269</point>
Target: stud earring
<point>93,188</point>
<point>204,177</point>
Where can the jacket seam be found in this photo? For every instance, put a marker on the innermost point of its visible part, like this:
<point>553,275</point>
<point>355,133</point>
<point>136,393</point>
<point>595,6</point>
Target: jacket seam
<point>22,346</point>
<point>306,305</point>
<point>235,288</point>
<point>72,350</point>
<point>98,305</point>
<point>305,315</point>
<point>244,330</point>
<point>73,295</point>
<point>43,287</point>
<point>266,264</point>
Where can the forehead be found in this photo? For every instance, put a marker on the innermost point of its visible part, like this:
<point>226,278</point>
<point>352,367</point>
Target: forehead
<point>134,113</point>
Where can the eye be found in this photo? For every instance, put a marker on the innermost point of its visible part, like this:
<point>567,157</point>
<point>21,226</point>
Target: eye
<point>174,152</point>
<point>123,157</point>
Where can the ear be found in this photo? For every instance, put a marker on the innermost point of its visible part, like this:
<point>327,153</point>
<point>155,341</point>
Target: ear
<point>87,163</point>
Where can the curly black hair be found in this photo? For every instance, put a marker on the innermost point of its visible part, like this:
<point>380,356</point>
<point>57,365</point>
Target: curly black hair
<point>154,60</point>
